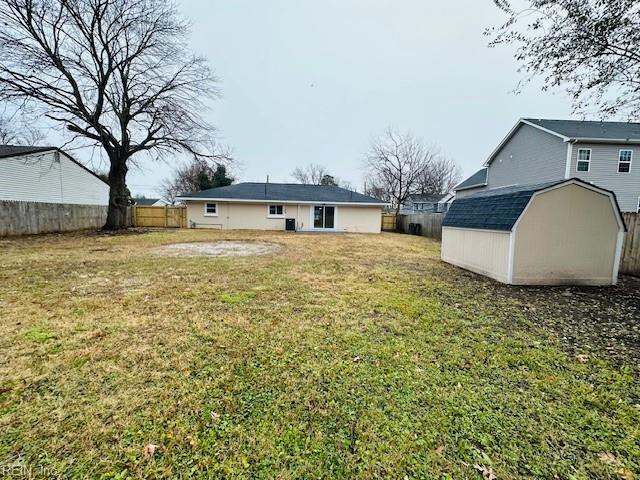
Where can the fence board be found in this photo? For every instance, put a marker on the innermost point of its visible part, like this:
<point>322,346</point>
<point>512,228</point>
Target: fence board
<point>24,218</point>
<point>431,223</point>
<point>630,262</point>
<point>167,217</point>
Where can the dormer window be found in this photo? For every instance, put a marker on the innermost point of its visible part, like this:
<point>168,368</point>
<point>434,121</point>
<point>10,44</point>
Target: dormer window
<point>624,161</point>
<point>584,160</point>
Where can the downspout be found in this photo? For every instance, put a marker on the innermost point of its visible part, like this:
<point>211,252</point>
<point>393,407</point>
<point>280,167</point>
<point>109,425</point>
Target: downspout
<point>567,168</point>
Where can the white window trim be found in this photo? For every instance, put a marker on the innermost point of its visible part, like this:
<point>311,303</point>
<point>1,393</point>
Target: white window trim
<point>588,162</point>
<point>206,214</point>
<point>269,215</point>
<point>620,161</point>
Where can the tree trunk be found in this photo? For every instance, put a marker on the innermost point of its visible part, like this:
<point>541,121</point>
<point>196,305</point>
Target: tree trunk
<point>118,194</point>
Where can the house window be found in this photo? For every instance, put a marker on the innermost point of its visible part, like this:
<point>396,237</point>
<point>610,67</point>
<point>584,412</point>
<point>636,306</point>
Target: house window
<point>624,161</point>
<point>584,160</point>
<point>276,210</point>
<point>210,209</point>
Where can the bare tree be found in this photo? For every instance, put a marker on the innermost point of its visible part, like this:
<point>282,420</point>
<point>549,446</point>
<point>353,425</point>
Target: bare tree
<point>312,174</point>
<point>395,164</point>
<point>17,128</point>
<point>589,47</point>
<point>440,176</point>
<point>115,73</point>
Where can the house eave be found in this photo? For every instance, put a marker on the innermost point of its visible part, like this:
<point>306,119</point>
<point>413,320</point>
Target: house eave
<point>285,202</point>
<point>469,187</point>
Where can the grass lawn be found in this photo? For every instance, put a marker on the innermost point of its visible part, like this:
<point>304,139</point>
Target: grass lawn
<point>340,356</point>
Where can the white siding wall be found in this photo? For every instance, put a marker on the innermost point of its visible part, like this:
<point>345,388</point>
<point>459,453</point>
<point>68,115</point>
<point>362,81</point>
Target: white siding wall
<point>603,172</point>
<point>50,177</point>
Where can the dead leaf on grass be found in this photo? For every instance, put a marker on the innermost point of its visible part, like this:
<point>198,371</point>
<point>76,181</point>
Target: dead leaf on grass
<point>487,472</point>
<point>582,358</point>
<point>149,450</point>
<point>215,417</point>
<point>625,474</point>
<point>609,459</point>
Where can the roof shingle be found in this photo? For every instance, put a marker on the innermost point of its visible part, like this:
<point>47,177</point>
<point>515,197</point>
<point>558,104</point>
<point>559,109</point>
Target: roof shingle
<point>577,129</point>
<point>285,192</point>
<point>497,208</point>
<point>478,179</point>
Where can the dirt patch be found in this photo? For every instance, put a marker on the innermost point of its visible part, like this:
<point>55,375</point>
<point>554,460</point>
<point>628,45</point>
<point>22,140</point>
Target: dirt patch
<point>220,249</point>
<point>600,321</point>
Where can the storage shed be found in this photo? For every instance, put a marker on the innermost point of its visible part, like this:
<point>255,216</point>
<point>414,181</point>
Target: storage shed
<point>567,232</point>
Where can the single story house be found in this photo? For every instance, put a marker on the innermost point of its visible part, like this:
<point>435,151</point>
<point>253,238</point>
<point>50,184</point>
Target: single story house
<point>48,175</point>
<point>555,233</point>
<point>280,206</point>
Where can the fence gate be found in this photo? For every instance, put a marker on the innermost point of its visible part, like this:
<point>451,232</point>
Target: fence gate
<point>167,217</point>
<point>389,222</point>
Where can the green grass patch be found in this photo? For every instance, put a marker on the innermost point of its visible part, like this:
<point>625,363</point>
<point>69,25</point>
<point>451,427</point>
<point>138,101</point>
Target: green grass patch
<point>237,298</point>
<point>365,357</point>
<point>38,334</point>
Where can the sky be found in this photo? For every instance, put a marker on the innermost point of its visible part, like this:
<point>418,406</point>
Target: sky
<point>310,81</point>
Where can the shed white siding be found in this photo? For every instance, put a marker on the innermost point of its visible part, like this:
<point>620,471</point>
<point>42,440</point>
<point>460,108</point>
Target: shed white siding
<point>50,177</point>
<point>482,251</point>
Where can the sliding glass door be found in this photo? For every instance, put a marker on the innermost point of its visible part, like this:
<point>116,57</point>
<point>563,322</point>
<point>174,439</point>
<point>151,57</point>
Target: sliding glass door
<point>324,217</point>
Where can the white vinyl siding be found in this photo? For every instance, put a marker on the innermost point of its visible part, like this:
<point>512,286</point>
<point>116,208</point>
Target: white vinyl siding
<point>530,156</point>
<point>50,177</point>
<point>603,172</point>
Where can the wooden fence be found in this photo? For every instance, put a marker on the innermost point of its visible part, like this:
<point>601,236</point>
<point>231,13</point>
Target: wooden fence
<point>630,263</point>
<point>167,217</point>
<point>430,224</point>
<point>25,218</point>
<point>389,223</point>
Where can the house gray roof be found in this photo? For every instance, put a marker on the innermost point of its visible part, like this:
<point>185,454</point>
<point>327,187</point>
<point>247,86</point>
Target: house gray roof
<point>284,192</point>
<point>16,150</point>
<point>478,179</point>
<point>590,130</point>
<point>499,208</point>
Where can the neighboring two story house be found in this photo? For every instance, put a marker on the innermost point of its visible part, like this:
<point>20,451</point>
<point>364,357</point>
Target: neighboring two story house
<point>536,151</point>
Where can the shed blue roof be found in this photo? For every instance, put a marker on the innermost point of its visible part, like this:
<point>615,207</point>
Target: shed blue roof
<point>499,208</point>
<point>285,192</point>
